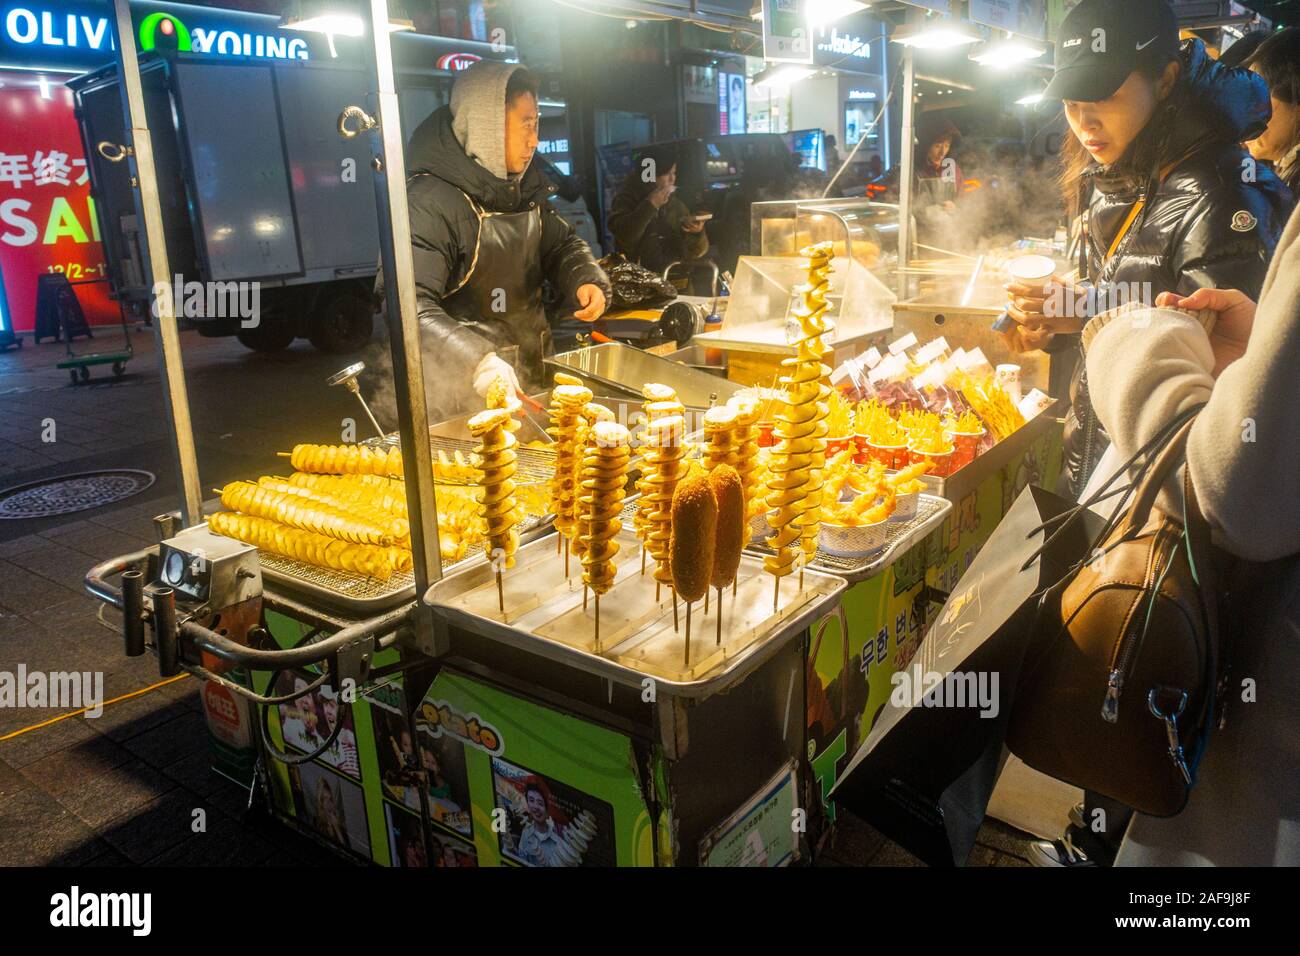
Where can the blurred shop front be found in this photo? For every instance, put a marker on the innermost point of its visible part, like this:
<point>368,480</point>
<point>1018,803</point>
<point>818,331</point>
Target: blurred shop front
<point>48,221</point>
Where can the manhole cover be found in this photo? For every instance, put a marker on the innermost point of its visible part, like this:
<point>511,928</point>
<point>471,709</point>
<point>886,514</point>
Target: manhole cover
<point>61,496</point>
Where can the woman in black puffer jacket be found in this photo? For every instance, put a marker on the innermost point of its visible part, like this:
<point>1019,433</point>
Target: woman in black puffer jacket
<point>1170,200</point>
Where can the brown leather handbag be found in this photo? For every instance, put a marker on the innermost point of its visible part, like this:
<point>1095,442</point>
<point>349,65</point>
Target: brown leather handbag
<point>1120,692</point>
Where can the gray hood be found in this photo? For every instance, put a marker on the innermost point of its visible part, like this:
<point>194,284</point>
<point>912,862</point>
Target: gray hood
<point>478,110</point>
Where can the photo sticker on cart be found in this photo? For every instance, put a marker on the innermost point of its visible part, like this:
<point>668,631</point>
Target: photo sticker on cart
<point>547,823</point>
<point>309,721</point>
<point>331,806</point>
<point>442,718</point>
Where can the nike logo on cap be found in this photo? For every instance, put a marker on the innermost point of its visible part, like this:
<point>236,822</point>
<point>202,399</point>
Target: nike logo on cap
<point>1143,46</point>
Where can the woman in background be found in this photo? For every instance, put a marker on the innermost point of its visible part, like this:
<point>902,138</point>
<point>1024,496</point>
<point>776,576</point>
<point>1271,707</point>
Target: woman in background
<point>1278,61</point>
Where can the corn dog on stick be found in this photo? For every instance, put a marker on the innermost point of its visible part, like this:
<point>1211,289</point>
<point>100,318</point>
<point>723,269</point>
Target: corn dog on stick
<point>347,460</point>
<point>306,546</point>
<point>304,513</point>
<point>800,428</point>
<point>365,508</point>
<point>747,452</point>
<point>566,406</point>
<point>494,430</point>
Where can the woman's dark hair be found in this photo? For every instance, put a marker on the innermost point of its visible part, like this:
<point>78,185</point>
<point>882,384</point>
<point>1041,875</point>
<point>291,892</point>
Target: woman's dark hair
<point>1149,150</point>
<point>1278,61</point>
<point>521,81</point>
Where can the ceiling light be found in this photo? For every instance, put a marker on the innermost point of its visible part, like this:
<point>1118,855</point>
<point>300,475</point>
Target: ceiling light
<point>824,12</point>
<point>1008,52</point>
<point>1029,99</point>
<point>942,35</point>
<point>778,75</point>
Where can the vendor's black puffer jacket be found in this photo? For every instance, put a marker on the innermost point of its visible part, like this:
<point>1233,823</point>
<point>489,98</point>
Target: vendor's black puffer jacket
<point>1205,224</point>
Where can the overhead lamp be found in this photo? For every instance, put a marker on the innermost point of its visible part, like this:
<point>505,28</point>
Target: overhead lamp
<point>1000,54</point>
<point>780,75</point>
<point>336,18</point>
<point>1030,99</point>
<point>940,35</point>
<point>824,12</point>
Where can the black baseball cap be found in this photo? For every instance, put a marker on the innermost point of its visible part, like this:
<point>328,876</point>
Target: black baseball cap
<point>1102,41</point>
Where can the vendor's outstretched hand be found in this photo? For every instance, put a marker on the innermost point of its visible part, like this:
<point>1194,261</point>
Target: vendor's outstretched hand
<point>592,300</point>
<point>1234,317</point>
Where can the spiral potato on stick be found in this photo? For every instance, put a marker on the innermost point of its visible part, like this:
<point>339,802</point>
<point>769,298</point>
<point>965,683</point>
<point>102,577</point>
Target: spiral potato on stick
<point>309,547</point>
<point>591,415</point>
<point>665,449</point>
<point>567,402</point>
<point>307,514</point>
<point>795,481</point>
<point>379,509</point>
<point>604,480</point>
<point>494,428</point>
<point>660,402</point>
<point>347,460</point>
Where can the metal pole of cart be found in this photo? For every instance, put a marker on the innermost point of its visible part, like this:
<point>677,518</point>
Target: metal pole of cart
<point>144,177</point>
<point>389,166</point>
<point>907,171</point>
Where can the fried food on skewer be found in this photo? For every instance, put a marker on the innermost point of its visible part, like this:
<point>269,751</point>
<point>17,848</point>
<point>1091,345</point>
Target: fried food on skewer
<point>604,480</point>
<point>722,445</point>
<point>747,452</point>
<point>494,428</point>
<point>307,546</point>
<point>567,402</point>
<point>694,537</point>
<point>665,447</point>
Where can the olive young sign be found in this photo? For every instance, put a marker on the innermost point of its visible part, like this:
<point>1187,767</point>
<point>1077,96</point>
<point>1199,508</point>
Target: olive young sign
<point>78,35</point>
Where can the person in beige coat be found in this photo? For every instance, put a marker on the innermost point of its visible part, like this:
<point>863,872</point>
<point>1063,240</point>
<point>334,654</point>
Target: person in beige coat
<point>1145,366</point>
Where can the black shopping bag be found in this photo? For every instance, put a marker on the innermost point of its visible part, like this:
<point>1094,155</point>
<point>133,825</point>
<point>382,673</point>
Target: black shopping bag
<point>924,774</point>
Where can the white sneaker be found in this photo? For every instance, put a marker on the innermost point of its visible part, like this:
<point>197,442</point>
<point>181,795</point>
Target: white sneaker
<point>1060,852</point>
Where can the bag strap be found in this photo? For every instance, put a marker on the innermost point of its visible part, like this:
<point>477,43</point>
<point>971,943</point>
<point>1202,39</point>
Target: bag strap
<point>1166,463</point>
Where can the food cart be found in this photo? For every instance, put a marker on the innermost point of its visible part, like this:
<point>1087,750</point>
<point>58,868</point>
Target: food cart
<point>428,717</point>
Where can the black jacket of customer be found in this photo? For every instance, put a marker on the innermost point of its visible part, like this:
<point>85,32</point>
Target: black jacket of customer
<point>1204,224</point>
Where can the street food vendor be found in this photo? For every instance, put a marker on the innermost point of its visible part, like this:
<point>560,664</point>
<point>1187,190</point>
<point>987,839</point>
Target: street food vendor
<point>484,237</point>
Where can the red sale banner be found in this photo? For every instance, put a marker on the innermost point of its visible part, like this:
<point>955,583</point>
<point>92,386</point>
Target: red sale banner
<point>47,217</point>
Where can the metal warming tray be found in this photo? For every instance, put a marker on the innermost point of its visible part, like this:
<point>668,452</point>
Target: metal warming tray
<point>624,370</point>
<point>930,512</point>
<point>544,616</point>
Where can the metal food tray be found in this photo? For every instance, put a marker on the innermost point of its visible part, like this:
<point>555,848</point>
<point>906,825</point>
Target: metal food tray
<point>930,512</point>
<point>545,616</point>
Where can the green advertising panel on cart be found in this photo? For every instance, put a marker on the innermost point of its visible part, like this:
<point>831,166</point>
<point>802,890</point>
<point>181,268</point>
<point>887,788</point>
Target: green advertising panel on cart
<point>886,616</point>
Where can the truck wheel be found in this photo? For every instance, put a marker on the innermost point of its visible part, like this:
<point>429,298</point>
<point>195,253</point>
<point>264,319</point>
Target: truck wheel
<point>267,337</point>
<point>344,324</point>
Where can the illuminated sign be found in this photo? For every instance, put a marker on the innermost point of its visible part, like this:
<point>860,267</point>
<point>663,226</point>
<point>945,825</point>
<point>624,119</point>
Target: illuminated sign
<point>455,62</point>
<point>35,34</point>
<point>553,146</point>
<point>862,94</point>
<point>845,44</point>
